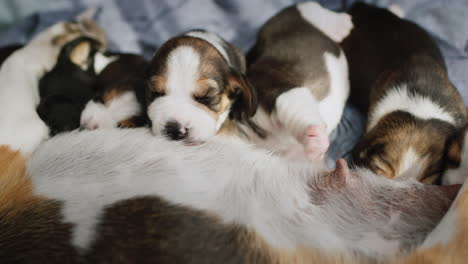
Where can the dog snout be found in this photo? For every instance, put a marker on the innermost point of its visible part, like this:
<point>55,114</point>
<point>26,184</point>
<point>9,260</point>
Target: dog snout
<point>175,131</point>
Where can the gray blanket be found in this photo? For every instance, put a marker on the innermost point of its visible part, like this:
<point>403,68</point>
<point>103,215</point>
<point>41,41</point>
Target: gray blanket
<point>141,26</point>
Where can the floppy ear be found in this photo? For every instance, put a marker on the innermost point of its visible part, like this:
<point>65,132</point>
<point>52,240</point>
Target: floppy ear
<point>243,94</point>
<point>454,149</point>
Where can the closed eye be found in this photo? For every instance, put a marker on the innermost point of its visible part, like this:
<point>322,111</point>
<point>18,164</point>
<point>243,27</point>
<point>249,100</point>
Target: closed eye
<point>205,100</point>
<point>155,94</point>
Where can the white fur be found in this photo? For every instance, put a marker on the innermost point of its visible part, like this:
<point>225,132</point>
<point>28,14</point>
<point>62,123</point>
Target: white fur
<point>91,170</point>
<point>458,175</point>
<point>178,103</point>
<point>332,106</point>
<point>397,10</point>
<point>21,128</point>
<point>298,108</point>
<point>214,40</point>
<point>336,26</point>
<point>97,115</point>
<point>399,99</point>
<point>101,61</point>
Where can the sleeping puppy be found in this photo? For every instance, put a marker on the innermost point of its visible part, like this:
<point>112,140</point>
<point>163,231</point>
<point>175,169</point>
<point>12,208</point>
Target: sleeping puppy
<point>66,89</point>
<point>301,78</point>
<point>153,200</point>
<point>194,83</point>
<point>120,94</point>
<point>399,77</point>
<point>21,128</point>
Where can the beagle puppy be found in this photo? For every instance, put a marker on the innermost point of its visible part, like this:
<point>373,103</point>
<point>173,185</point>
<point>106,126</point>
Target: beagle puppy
<point>194,83</point>
<point>300,75</point>
<point>21,128</point>
<point>65,90</point>
<point>196,87</point>
<point>120,93</point>
<point>399,78</point>
<point>113,195</point>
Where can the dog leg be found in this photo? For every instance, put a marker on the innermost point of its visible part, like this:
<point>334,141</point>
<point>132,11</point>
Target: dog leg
<point>298,112</point>
<point>335,25</point>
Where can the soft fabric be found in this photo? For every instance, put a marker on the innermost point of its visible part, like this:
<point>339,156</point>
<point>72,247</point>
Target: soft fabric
<point>140,26</point>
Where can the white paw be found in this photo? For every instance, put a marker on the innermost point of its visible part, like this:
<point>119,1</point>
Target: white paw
<point>340,27</point>
<point>396,10</point>
<point>316,142</point>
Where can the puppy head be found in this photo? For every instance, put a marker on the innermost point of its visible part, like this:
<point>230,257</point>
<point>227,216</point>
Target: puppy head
<point>115,106</point>
<point>456,158</point>
<point>194,83</point>
<point>80,52</point>
<point>400,146</point>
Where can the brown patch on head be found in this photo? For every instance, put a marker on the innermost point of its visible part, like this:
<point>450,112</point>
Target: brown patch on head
<point>110,95</point>
<point>399,135</point>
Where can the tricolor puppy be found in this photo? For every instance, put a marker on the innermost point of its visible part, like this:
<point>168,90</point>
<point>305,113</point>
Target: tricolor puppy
<point>120,93</point>
<point>194,83</point>
<point>21,128</point>
<point>66,89</point>
<point>113,196</point>
<point>398,76</point>
<point>300,75</point>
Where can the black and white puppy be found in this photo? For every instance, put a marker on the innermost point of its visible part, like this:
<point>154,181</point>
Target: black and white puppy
<point>300,75</point>
<point>399,78</point>
<point>21,128</point>
<point>66,89</point>
<point>194,83</point>
<point>120,93</point>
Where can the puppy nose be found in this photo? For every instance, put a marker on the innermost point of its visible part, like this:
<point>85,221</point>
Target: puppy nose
<point>175,131</point>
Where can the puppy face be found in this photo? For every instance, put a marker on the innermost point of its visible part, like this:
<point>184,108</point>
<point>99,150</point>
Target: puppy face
<point>400,146</point>
<point>194,84</point>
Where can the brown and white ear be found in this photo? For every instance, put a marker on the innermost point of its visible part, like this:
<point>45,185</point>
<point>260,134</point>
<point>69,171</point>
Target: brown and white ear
<point>244,95</point>
<point>456,159</point>
<point>237,58</point>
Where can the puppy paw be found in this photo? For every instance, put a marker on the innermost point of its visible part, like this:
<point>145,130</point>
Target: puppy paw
<point>316,142</point>
<point>340,27</point>
<point>396,10</point>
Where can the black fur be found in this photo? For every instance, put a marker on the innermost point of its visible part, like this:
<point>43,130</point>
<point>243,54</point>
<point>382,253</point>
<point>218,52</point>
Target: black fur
<point>65,90</point>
